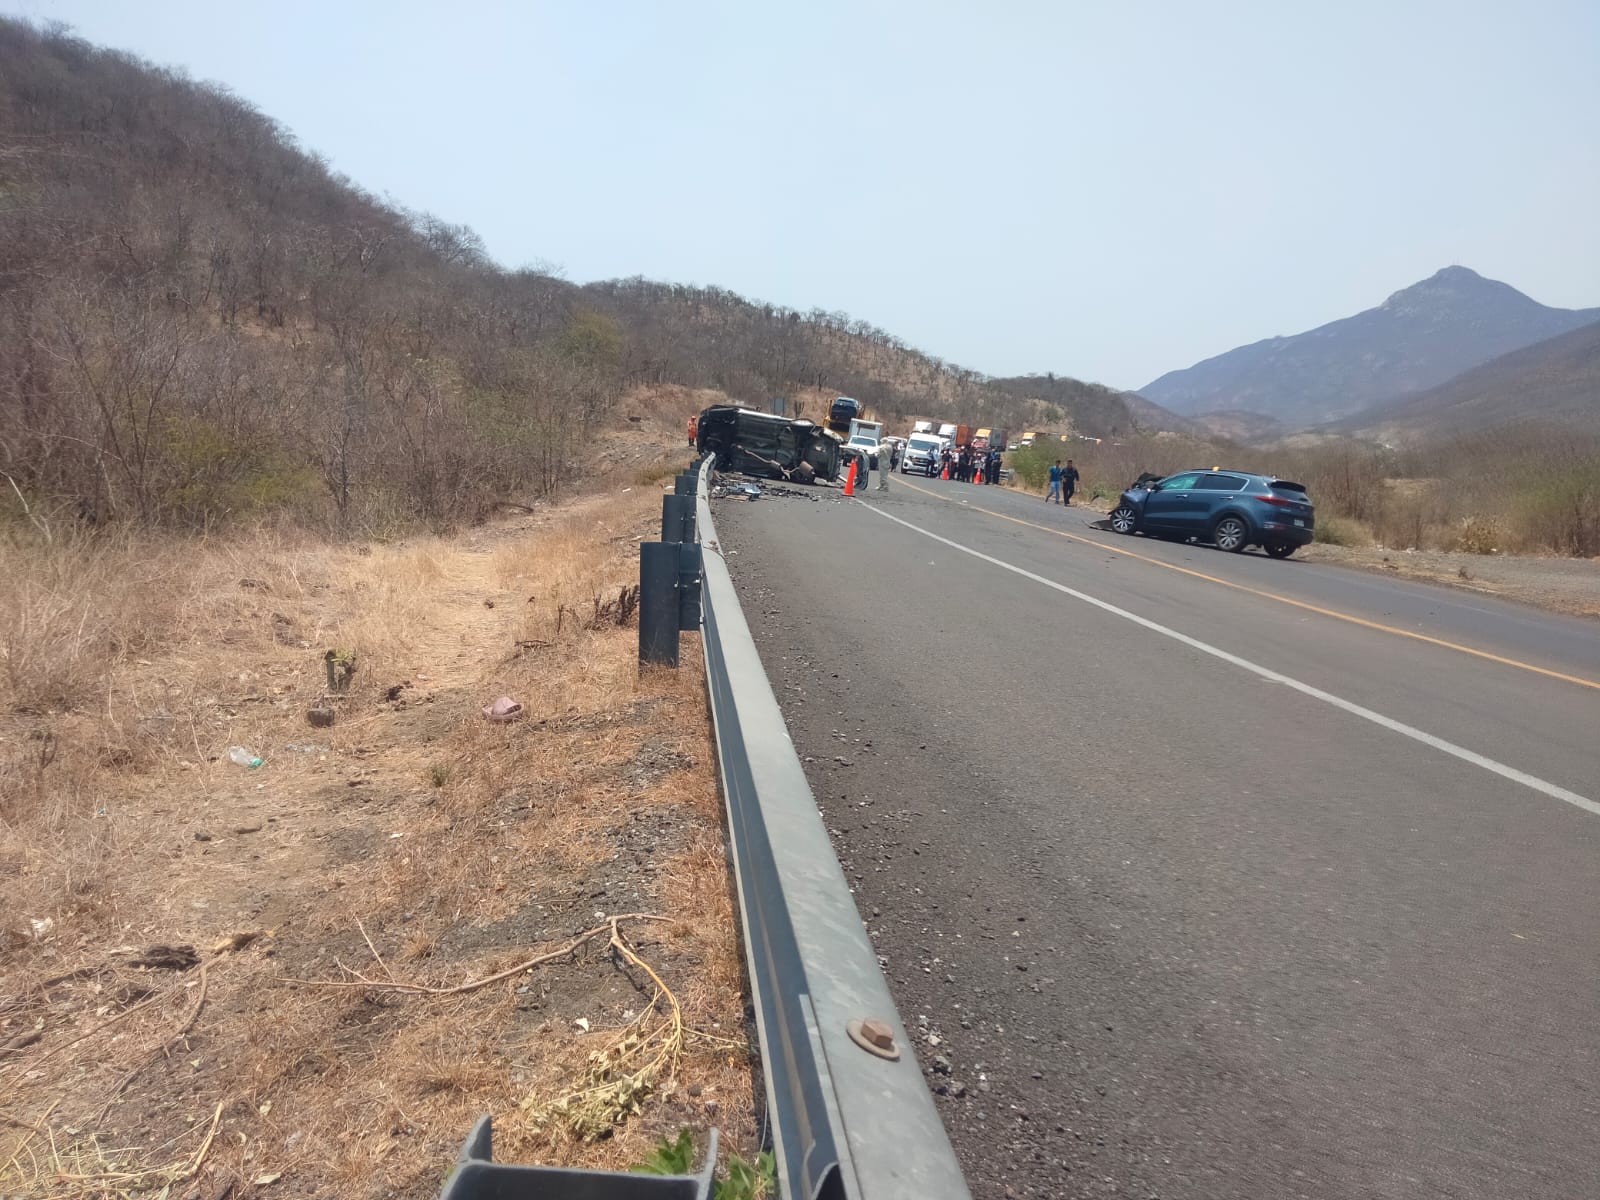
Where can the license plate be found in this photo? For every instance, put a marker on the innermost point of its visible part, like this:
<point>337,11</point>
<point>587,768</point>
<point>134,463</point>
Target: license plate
<point>1300,523</point>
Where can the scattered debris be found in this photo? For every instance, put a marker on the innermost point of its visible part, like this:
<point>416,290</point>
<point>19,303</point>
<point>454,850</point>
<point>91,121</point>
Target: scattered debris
<point>604,612</point>
<point>166,958</point>
<point>235,942</point>
<point>244,758</point>
<point>502,710</point>
<point>341,666</point>
<point>392,694</point>
<point>727,488</point>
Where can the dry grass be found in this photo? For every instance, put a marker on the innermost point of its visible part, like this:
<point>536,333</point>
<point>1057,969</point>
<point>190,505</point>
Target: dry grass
<point>411,839</point>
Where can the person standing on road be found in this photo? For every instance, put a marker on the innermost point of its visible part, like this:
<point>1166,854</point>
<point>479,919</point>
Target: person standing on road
<point>1069,482</point>
<point>994,467</point>
<point>1054,494</point>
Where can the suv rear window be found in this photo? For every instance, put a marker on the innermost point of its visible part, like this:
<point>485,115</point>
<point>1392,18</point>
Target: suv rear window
<point>1283,485</point>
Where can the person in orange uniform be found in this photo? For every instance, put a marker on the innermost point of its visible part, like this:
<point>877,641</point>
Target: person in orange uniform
<point>694,428</point>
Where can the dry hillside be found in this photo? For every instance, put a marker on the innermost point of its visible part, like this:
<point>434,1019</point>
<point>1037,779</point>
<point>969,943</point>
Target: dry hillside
<point>315,974</point>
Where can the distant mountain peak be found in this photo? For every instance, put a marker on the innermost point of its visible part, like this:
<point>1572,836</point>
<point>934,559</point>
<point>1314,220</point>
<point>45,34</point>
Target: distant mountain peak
<point>1448,283</point>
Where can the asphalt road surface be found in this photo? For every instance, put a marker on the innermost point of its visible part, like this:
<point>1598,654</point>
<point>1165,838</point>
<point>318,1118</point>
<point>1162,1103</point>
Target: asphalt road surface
<point>1204,875</point>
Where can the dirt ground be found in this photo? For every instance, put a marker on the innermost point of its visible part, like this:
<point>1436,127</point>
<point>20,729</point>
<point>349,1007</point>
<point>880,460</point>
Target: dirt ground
<point>213,977</point>
<point>1568,585</point>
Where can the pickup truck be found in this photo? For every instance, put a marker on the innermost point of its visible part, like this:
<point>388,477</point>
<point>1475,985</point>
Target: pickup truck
<point>922,454</point>
<point>759,443</point>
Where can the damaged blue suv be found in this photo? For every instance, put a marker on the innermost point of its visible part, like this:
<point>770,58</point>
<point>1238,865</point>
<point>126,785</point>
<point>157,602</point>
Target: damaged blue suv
<point>1231,509</point>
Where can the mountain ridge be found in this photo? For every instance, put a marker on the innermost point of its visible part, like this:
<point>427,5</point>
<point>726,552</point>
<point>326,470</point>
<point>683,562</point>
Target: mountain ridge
<point>1555,382</point>
<point>1419,337</point>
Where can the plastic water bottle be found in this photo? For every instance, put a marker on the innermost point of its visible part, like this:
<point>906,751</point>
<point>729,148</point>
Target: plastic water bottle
<point>243,757</point>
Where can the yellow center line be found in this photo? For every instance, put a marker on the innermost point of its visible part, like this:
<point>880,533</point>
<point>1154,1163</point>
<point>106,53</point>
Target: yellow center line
<point>1266,595</point>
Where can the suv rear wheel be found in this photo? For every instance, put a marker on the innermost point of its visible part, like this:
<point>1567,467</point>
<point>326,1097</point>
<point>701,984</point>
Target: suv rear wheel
<point>1231,534</point>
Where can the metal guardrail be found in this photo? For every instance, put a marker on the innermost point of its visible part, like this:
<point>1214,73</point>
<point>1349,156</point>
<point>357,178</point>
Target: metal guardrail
<point>849,1121</point>
<point>850,1114</point>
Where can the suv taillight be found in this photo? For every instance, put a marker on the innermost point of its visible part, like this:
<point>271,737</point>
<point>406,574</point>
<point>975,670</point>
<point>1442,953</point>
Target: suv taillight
<point>1278,500</point>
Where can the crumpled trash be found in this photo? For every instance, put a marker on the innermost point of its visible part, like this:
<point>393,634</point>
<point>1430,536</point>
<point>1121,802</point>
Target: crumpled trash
<point>502,710</point>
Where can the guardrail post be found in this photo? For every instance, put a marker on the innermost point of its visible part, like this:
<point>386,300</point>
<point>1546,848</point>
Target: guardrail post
<point>685,484</point>
<point>677,518</point>
<point>669,598</point>
<point>658,603</point>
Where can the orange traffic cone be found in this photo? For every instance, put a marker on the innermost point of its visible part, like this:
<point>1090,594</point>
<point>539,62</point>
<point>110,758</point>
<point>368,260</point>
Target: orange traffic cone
<point>850,480</point>
<point>945,474</point>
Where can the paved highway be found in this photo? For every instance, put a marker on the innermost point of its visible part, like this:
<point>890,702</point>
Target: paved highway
<point>1207,875</point>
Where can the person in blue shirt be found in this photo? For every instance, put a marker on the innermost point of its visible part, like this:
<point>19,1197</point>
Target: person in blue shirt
<point>1055,484</point>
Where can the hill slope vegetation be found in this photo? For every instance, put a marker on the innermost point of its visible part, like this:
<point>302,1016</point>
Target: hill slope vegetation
<point>201,321</point>
<point>1555,381</point>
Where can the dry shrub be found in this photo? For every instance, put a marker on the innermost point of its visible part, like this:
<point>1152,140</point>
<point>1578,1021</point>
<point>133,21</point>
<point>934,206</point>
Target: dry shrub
<point>1478,535</point>
<point>71,607</point>
<point>1343,531</point>
<point>1559,509</point>
<point>580,560</point>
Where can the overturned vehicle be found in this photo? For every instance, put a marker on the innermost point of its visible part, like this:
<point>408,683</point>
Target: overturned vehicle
<point>758,443</point>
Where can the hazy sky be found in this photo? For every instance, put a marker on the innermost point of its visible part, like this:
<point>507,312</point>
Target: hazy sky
<point>1107,189</point>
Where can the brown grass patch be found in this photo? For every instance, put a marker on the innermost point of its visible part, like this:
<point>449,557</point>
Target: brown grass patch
<point>412,841</point>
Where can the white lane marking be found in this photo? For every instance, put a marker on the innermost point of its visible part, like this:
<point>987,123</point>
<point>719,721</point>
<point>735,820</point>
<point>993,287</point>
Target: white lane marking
<point>1427,739</point>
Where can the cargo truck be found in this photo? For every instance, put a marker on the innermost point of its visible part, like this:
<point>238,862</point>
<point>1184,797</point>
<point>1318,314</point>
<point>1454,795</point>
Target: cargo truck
<point>866,438</point>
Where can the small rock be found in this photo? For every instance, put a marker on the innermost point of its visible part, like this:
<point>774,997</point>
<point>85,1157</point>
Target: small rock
<point>957,1088</point>
<point>942,1065</point>
<point>320,717</point>
<point>200,835</point>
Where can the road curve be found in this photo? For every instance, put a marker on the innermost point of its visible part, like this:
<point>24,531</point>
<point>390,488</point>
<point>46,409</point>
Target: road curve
<point>1198,890</point>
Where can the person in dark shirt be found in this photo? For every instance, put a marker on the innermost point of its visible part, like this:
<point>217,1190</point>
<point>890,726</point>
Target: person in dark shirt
<point>1069,482</point>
